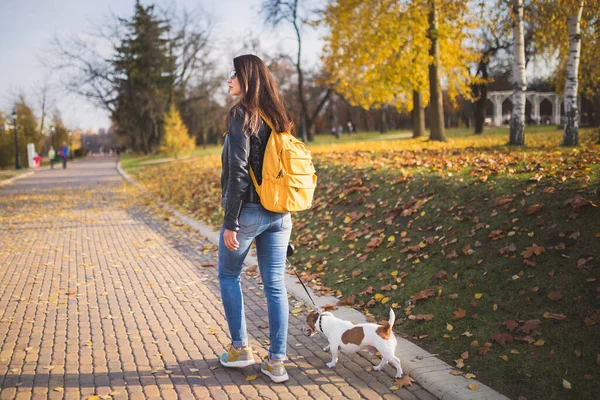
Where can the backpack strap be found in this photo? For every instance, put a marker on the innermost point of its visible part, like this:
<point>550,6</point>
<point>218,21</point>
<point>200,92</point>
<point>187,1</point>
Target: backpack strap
<point>268,121</point>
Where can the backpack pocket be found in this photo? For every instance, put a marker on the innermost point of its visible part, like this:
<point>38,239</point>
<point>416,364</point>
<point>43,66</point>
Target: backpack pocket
<point>296,159</point>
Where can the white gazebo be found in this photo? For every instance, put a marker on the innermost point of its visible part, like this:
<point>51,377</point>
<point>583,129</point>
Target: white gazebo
<point>535,98</point>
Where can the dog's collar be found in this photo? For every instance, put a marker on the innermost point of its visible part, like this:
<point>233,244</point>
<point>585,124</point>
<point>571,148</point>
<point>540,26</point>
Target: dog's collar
<point>320,321</point>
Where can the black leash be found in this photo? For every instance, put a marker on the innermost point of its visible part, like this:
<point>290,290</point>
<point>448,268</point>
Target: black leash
<point>290,252</point>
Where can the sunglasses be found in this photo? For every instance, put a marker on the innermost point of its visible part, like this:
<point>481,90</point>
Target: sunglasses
<point>232,75</point>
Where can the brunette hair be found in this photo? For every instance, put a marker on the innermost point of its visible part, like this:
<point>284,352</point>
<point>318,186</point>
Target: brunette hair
<point>259,94</point>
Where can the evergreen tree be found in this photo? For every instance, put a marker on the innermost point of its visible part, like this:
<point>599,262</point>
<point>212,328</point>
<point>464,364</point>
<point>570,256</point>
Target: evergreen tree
<point>176,140</point>
<point>144,69</point>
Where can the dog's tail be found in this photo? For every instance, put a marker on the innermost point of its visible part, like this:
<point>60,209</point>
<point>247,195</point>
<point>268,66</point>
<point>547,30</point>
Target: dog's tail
<point>392,317</point>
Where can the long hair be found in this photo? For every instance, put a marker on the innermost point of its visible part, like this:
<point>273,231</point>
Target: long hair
<point>259,93</point>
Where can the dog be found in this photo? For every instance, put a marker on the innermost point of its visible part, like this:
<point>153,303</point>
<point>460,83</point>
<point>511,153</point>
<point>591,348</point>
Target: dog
<point>350,337</point>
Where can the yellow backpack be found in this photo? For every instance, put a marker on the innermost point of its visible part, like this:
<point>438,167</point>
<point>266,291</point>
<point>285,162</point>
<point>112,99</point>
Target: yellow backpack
<point>288,174</point>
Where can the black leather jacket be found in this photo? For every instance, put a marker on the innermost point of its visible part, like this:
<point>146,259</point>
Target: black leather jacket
<point>240,151</point>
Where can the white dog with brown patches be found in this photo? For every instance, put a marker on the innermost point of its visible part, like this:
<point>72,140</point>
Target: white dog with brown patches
<point>350,337</point>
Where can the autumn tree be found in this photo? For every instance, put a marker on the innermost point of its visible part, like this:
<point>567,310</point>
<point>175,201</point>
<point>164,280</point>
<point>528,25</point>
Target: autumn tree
<point>572,34</point>
<point>493,34</point>
<point>374,54</point>
<point>6,152</point>
<point>61,133</point>
<point>277,12</point>
<point>176,140</point>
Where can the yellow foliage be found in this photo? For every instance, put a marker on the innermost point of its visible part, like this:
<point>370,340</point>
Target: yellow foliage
<point>376,53</point>
<point>552,40</point>
<point>176,140</point>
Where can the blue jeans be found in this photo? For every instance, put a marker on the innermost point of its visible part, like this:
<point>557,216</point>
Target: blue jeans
<point>272,234</point>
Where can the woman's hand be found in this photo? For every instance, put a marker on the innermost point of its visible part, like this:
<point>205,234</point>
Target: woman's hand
<point>230,239</point>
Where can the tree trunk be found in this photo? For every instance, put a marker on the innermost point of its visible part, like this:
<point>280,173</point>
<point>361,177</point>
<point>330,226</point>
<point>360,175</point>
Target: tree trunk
<point>436,106</point>
<point>310,121</point>
<point>571,133</point>
<point>418,115</point>
<point>384,122</point>
<point>517,120</point>
<point>481,91</point>
<point>303,108</point>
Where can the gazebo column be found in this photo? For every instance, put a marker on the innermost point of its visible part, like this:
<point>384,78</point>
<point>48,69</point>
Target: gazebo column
<point>497,110</point>
<point>536,108</point>
<point>556,110</point>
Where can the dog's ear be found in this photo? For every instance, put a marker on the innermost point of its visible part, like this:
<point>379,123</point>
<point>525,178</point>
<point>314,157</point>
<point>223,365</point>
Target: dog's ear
<point>311,320</point>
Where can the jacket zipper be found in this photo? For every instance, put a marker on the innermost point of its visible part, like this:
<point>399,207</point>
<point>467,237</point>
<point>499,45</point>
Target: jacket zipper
<point>237,218</point>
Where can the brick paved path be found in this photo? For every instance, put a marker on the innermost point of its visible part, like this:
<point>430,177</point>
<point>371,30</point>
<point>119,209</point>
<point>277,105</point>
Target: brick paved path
<point>101,296</point>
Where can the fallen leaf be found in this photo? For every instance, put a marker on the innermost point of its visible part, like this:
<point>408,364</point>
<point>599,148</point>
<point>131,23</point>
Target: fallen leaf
<point>504,357</point>
<point>566,384</point>
<point>531,325</point>
<point>449,327</point>
<point>421,317</point>
<point>348,301</point>
<point>478,296</point>
<point>539,342</point>
<point>460,313</point>
<point>502,338</point>
<point>405,381</point>
<point>423,294</point>
<point>250,378</point>
<point>473,386</point>
<point>440,275</point>
<point>534,209</point>
<point>510,325</point>
<point>555,296</point>
<point>503,200</point>
<point>560,317</point>
<point>470,376</point>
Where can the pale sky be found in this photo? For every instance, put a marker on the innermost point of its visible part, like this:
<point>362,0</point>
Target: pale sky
<point>28,26</point>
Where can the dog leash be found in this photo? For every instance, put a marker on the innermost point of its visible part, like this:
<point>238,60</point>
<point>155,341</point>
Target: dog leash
<point>290,252</point>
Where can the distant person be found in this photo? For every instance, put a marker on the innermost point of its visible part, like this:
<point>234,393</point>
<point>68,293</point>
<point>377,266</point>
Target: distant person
<point>37,160</point>
<point>350,127</point>
<point>52,156</point>
<point>339,132</point>
<point>63,152</point>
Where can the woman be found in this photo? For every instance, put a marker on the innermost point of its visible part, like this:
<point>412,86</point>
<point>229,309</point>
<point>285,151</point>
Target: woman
<point>246,220</point>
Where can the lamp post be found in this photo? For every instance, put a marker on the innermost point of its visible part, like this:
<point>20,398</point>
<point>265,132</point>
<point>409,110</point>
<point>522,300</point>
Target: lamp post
<point>52,129</point>
<point>17,155</point>
<point>71,144</point>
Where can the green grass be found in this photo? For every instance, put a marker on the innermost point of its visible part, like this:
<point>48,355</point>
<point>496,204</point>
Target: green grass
<point>454,188</point>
